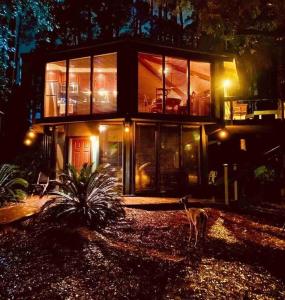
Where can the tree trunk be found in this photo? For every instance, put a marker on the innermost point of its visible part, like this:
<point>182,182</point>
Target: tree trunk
<point>17,48</point>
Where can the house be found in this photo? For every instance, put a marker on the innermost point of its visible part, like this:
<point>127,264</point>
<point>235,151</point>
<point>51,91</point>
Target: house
<point>148,110</point>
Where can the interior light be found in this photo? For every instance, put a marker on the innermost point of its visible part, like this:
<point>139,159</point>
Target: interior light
<point>102,128</point>
<point>166,71</point>
<point>102,92</point>
<point>227,83</point>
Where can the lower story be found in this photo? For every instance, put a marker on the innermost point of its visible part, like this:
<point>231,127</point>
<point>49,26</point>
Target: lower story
<point>150,157</point>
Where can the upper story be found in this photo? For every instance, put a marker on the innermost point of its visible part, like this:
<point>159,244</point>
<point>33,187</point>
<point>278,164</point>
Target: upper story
<point>129,78</point>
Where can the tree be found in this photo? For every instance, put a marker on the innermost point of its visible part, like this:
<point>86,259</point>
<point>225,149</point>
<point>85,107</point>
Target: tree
<point>21,21</point>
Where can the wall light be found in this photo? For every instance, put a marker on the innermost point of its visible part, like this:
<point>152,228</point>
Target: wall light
<point>31,134</point>
<point>27,142</point>
<point>127,128</point>
<point>223,134</point>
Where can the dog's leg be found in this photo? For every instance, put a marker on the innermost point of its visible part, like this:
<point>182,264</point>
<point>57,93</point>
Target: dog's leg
<point>196,233</point>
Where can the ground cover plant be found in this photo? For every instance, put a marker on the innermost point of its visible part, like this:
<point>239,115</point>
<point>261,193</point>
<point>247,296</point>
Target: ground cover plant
<point>147,257</point>
<point>11,184</point>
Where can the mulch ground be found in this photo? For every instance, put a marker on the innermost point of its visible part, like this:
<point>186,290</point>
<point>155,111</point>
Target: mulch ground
<point>147,257</point>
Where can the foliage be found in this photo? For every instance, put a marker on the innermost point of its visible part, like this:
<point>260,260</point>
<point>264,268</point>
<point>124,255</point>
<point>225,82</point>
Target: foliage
<point>11,185</point>
<point>21,22</point>
<point>86,197</point>
<point>265,174</point>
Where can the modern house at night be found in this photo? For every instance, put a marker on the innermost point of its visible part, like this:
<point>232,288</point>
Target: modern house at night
<point>146,109</point>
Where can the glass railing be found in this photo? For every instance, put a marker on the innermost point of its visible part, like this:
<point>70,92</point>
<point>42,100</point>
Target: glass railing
<point>253,109</point>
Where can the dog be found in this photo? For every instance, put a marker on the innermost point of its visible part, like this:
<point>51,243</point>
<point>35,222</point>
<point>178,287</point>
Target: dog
<point>196,217</point>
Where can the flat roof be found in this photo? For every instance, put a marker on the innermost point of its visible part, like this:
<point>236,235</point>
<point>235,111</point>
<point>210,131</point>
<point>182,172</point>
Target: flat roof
<point>132,42</point>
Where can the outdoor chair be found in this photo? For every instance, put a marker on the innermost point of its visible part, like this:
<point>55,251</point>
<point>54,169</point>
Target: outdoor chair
<point>42,184</point>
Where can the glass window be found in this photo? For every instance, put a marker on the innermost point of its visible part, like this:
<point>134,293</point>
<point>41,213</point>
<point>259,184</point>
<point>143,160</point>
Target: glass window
<point>111,147</point>
<point>190,154</point>
<point>231,81</point>
<point>200,88</point>
<point>176,82</point>
<point>105,83</point>
<point>145,178</point>
<point>169,158</point>
<point>55,93</point>
<point>79,86</point>
<point>150,83</point>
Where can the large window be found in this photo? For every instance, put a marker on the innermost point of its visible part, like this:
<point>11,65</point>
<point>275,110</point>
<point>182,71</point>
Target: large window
<point>173,85</point>
<point>150,92</point>
<point>78,87</point>
<point>200,88</point>
<point>167,158</point>
<point>55,91</point>
<point>176,82</point>
<point>105,83</point>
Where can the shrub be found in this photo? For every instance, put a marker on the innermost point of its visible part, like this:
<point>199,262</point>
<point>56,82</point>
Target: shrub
<point>11,186</point>
<point>86,197</point>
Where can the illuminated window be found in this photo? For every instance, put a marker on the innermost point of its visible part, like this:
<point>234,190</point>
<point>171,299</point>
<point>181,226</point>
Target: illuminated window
<point>55,92</point>
<point>200,88</point>
<point>79,86</point>
<point>163,85</point>
<point>176,82</point>
<point>105,83</point>
<point>150,85</point>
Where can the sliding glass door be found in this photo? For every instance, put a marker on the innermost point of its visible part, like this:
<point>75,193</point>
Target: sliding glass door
<point>167,158</point>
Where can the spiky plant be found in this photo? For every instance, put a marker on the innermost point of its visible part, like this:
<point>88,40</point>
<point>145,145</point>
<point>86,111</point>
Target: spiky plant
<point>11,186</point>
<point>86,197</point>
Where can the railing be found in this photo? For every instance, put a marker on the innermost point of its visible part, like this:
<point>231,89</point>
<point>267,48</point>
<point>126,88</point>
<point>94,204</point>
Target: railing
<point>253,109</point>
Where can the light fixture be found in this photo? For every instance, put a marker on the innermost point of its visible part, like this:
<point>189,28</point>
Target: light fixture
<point>27,142</point>
<point>223,134</point>
<point>31,134</point>
<point>102,92</point>
<point>227,83</point>
<point>127,128</point>
<point>102,128</point>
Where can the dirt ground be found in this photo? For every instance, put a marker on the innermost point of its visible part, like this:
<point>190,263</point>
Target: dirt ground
<point>147,257</point>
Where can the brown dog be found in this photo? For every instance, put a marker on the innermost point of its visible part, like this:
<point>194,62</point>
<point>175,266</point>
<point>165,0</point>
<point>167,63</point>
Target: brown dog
<point>196,217</point>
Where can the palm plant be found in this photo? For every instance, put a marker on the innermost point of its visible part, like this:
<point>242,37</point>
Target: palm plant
<point>11,186</point>
<point>86,197</point>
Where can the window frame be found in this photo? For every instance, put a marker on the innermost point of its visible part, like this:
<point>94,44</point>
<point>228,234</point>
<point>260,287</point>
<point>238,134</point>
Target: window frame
<point>188,60</point>
<point>67,69</point>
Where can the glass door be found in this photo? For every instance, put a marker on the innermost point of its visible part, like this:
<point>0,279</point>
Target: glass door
<point>145,158</point>
<point>169,159</point>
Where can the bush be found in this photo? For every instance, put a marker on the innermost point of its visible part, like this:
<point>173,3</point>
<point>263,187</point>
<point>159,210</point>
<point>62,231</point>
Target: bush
<point>86,197</point>
<point>11,186</point>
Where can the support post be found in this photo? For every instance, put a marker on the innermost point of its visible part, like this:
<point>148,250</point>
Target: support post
<point>226,183</point>
<point>235,183</point>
